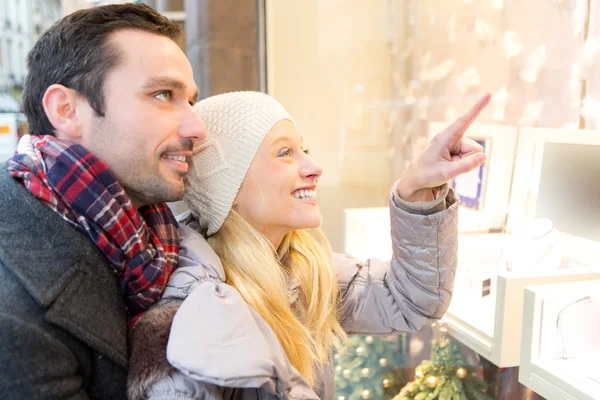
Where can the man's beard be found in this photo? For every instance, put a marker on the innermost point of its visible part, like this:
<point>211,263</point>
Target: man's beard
<point>143,184</point>
<point>154,190</point>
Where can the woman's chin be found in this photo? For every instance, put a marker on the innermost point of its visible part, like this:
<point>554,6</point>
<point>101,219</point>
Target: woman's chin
<point>311,222</point>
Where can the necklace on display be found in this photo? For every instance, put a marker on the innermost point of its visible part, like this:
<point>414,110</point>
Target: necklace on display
<point>587,340</point>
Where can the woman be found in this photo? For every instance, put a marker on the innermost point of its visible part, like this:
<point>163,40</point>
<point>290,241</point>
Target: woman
<point>258,305</point>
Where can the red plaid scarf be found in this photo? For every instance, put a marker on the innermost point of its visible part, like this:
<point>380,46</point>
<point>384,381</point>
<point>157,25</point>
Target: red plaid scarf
<point>143,246</point>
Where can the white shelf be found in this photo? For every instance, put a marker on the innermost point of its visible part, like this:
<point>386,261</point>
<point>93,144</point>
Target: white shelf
<point>492,325</point>
<point>540,370</point>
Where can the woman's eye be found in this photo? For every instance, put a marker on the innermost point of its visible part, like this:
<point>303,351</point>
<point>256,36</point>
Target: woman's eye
<point>284,152</point>
<point>163,96</point>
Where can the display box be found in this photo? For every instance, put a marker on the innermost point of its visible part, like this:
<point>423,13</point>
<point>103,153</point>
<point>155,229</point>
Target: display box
<point>491,324</point>
<point>551,237</point>
<point>560,354</point>
<point>541,245</point>
<point>487,305</point>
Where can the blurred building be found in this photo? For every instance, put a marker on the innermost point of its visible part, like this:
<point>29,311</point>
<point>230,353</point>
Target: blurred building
<point>224,41</point>
<point>22,23</point>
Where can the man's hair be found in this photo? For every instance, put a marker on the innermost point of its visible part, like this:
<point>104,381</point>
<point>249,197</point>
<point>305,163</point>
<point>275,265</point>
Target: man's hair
<point>76,53</point>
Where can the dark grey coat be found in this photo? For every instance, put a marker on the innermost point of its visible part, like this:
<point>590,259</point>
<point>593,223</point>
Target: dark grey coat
<point>62,318</point>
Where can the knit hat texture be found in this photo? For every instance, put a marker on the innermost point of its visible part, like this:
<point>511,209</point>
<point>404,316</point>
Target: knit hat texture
<point>236,123</point>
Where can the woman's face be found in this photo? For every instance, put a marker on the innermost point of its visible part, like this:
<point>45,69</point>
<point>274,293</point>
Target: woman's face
<point>278,194</point>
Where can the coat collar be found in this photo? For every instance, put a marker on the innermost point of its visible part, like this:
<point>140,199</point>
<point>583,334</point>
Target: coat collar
<point>214,327</point>
<point>62,270</point>
<point>196,253</point>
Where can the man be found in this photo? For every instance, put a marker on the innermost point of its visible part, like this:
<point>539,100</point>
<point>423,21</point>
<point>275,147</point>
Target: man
<point>86,241</point>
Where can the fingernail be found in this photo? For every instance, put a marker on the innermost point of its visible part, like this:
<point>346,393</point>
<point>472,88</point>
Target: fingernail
<point>481,158</point>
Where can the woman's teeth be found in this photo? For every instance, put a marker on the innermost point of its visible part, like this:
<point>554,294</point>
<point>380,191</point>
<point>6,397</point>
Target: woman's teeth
<point>176,158</point>
<point>305,194</point>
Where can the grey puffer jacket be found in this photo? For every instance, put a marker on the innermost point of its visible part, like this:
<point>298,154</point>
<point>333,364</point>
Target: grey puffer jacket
<point>218,348</point>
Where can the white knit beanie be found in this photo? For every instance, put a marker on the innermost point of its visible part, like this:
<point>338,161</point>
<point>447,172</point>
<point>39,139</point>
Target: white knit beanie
<point>236,123</point>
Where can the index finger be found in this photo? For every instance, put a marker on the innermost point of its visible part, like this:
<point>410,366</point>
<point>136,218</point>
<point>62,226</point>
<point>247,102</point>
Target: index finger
<point>460,126</point>
<point>469,146</point>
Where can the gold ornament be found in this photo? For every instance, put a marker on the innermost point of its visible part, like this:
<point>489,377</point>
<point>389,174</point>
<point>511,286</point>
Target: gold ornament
<point>410,386</point>
<point>360,351</point>
<point>431,381</point>
<point>419,373</point>
<point>386,383</point>
<point>461,373</point>
<point>382,362</point>
<point>346,373</point>
<point>369,339</point>
<point>364,372</point>
<point>365,394</point>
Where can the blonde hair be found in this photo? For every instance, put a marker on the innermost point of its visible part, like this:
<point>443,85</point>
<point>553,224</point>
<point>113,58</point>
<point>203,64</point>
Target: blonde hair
<point>308,329</point>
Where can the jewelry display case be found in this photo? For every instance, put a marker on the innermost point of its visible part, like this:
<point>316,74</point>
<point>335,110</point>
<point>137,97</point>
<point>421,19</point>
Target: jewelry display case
<point>561,340</point>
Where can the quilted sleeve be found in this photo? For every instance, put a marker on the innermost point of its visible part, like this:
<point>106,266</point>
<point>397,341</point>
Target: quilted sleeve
<point>177,386</point>
<point>414,288</point>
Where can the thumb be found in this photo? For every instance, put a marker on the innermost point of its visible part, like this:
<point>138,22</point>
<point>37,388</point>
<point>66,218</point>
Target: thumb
<point>464,165</point>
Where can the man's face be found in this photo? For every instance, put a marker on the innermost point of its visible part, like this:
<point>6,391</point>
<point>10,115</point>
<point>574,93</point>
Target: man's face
<point>149,127</point>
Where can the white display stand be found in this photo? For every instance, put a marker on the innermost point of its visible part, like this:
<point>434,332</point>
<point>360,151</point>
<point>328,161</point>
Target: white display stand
<point>486,312</point>
<point>492,325</point>
<point>563,365</point>
<point>489,325</point>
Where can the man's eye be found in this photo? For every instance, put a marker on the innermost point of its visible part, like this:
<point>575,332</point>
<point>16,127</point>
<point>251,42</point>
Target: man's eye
<point>163,96</point>
<point>284,152</point>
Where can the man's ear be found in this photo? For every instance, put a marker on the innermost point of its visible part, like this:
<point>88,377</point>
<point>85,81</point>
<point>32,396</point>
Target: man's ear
<point>60,105</point>
<point>235,201</point>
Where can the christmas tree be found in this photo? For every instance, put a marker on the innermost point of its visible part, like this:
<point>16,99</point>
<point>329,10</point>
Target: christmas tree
<point>370,368</point>
<point>447,376</point>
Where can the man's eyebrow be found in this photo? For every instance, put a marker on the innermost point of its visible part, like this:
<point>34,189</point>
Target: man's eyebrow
<point>170,83</point>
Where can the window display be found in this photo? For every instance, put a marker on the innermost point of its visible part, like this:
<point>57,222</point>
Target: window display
<point>561,340</point>
<point>489,323</point>
<point>370,84</point>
